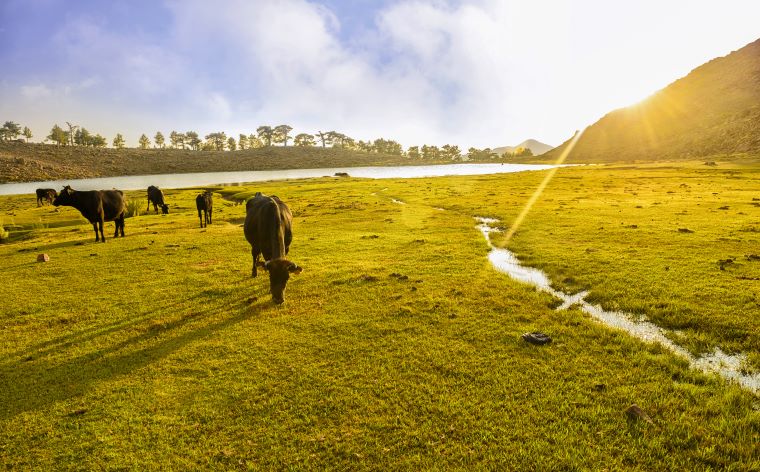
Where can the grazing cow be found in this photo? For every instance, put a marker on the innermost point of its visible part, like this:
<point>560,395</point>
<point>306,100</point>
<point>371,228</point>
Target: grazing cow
<point>46,194</point>
<point>96,206</point>
<point>156,197</point>
<point>205,203</point>
<point>267,229</point>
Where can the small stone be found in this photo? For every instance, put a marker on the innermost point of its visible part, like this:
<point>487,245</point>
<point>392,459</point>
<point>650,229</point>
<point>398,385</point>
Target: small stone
<point>635,412</point>
<point>43,258</point>
<point>537,338</point>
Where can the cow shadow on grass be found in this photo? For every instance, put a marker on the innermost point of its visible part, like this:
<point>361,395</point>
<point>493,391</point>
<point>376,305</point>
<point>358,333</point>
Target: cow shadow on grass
<point>36,384</point>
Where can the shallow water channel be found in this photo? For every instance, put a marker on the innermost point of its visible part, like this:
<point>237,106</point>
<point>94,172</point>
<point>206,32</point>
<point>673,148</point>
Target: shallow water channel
<point>727,366</point>
<point>137,182</point>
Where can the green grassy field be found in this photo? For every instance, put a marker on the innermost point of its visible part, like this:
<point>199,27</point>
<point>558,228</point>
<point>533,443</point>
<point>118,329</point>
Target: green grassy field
<point>159,351</point>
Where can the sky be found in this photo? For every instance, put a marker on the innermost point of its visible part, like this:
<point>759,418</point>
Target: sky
<point>481,73</point>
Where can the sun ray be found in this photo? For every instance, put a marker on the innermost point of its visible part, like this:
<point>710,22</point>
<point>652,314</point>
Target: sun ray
<point>540,189</point>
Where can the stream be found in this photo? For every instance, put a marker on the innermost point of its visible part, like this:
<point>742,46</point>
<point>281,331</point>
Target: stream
<point>728,366</point>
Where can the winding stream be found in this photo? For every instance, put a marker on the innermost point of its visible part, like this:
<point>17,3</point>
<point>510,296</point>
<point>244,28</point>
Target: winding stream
<point>727,366</point>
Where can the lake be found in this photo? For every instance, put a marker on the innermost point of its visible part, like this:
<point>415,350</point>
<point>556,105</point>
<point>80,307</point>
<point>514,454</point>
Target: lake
<point>137,182</point>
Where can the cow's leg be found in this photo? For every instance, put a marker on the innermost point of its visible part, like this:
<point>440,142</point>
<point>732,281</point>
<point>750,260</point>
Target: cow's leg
<point>95,227</point>
<point>210,211</point>
<point>148,209</point>
<point>255,253</point>
<point>121,224</point>
<point>200,217</point>
<point>100,226</point>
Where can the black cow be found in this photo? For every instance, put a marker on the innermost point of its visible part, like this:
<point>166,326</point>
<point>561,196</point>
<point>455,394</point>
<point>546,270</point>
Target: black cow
<point>268,229</point>
<point>96,206</point>
<point>205,203</point>
<point>45,194</point>
<point>156,197</point>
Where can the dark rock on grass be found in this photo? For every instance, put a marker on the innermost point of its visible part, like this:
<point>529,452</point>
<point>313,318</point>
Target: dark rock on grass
<point>341,174</point>
<point>79,412</point>
<point>685,230</point>
<point>368,278</point>
<point>43,258</point>
<point>537,338</point>
<point>635,413</point>
<point>371,236</point>
<point>723,208</point>
<point>753,257</point>
<point>725,262</point>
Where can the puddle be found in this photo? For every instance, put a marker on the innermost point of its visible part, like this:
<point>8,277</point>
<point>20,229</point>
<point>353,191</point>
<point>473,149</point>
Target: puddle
<point>726,365</point>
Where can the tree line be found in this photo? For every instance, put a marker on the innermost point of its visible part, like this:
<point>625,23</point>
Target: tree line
<point>264,136</point>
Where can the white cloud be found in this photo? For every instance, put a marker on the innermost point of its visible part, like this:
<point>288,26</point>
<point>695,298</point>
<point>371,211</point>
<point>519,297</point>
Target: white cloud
<point>37,91</point>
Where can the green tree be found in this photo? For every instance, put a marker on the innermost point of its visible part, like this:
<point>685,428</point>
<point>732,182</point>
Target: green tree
<point>118,141</point>
<point>177,140</point>
<point>324,138</point>
<point>82,137</point>
<point>254,142</point>
<point>231,145</point>
<point>191,139</point>
<point>304,140</point>
<point>217,140</point>
<point>159,140</point>
<point>413,152</point>
<point>266,134</point>
<point>281,134</point>
<point>242,142</point>
<point>98,141</point>
<point>58,136</point>
<point>11,130</point>
<point>430,152</point>
<point>387,146</point>
<point>451,152</point>
<point>27,133</point>
<point>144,142</point>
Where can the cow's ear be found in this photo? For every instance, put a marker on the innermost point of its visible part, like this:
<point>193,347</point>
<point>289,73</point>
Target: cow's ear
<point>293,268</point>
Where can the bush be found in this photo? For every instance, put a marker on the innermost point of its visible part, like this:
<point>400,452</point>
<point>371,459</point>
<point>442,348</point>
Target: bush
<point>134,208</point>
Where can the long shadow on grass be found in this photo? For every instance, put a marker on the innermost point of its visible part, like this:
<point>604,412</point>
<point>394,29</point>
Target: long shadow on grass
<point>34,385</point>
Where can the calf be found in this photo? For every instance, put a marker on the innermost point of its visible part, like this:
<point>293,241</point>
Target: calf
<point>205,203</point>
<point>46,194</point>
<point>268,230</point>
<point>96,206</point>
<point>156,197</point>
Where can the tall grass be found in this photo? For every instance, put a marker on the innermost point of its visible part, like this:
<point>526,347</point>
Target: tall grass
<point>134,208</point>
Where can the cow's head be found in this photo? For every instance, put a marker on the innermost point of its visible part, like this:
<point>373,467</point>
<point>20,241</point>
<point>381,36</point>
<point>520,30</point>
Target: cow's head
<point>279,273</point>
<point>64,198</point>
<point>165,209</point>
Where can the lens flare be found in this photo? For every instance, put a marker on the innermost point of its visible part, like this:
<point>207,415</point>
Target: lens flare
<point>549,175</point>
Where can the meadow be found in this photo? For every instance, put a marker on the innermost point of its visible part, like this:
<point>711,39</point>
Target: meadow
<point>399,345</point>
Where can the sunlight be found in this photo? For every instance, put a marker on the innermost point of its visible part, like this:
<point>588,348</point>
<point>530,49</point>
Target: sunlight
<point>549,175</point>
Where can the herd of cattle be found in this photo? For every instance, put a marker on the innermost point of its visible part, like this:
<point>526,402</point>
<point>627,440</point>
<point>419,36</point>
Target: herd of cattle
<point>267,227</point>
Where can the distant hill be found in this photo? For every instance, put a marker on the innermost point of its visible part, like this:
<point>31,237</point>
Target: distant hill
<point>715,109</point>
<point>536,147</point>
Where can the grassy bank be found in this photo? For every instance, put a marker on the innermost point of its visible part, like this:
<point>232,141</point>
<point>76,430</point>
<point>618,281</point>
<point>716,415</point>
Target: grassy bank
<point>398,346</point>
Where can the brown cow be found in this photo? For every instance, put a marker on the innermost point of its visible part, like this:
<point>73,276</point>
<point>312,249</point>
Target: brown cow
<point>205,203</point>
<point>96,206</point>
<point>268,229</point>
<point>45,194</point>
<point>156,197</point>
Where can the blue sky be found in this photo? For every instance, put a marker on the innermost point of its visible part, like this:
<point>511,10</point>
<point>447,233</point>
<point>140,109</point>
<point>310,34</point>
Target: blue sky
<point>470,72</point>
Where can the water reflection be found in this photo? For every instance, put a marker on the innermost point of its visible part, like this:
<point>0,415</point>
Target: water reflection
<point>137,182</point>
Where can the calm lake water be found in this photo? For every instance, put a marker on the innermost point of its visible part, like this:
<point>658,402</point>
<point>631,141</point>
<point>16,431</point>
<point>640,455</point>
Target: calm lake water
<point>137,182</point>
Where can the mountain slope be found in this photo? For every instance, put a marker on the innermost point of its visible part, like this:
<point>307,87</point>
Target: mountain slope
<point>715,109</point>
<point>536,147</point>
